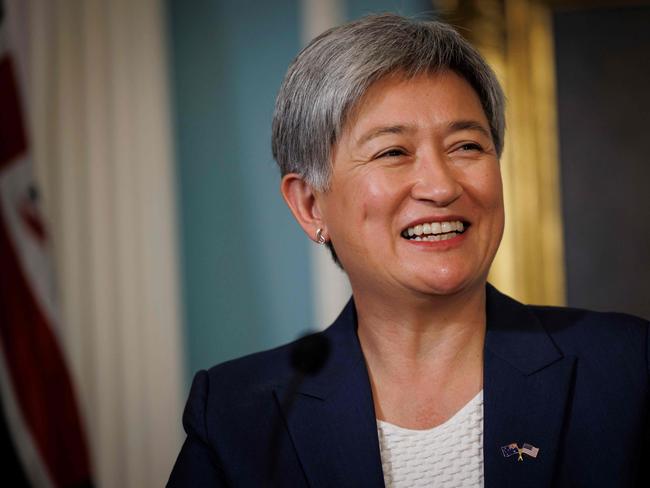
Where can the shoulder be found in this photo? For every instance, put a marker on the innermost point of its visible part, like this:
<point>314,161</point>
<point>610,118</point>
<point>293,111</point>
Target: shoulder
<point>575,323</point>
<point>234,400</point>
<point>249,375</point>
<point>607,336</point>
<point>230,417</point>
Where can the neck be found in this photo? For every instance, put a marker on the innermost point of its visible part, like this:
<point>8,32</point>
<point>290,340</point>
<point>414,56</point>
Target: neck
<point>422,329</point>
<point>425,359</point>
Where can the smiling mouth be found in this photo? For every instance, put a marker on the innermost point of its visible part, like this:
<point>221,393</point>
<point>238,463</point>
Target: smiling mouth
<point>435,231</point>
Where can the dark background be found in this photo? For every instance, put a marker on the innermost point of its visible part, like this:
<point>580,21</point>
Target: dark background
<point>603,87</point>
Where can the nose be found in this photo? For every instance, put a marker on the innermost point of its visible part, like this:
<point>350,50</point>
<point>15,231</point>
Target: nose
<point>435,180</point>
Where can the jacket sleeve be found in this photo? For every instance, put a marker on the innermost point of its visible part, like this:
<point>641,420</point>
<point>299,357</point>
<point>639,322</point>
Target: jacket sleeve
<point>197,464</point>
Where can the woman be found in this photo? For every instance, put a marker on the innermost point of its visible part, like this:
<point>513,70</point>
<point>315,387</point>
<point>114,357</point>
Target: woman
<point>388,134</point>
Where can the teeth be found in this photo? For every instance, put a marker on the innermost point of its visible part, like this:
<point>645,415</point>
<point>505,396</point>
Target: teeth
<point>441,237</point>
<point>435,231</point>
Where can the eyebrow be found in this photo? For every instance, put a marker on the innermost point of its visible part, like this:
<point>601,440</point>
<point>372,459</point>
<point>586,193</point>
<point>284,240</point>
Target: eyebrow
<point>381,131</point>
<point>455,126</point>
<point>460,125</point>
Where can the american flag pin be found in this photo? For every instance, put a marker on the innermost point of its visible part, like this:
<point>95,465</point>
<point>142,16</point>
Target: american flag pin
<point>513,448</point>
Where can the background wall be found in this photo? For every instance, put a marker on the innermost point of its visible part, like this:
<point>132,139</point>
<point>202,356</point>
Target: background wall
<point>245,276</point>
<point>603,76</point>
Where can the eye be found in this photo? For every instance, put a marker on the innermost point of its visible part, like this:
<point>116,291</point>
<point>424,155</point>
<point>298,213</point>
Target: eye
<point>392,153</point>
<point>470,146</point>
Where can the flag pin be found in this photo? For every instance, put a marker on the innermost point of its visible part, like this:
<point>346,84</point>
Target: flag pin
<point>513,448</point>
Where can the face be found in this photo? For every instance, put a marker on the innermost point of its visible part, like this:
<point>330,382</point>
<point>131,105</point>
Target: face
<point>415,202</point>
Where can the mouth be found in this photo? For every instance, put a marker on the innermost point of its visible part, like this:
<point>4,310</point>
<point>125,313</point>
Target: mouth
<point>435,231</point>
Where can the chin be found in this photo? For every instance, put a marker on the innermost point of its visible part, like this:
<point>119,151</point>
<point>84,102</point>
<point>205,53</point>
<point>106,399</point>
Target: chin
<point>444,290</point>
<point>449,284</point>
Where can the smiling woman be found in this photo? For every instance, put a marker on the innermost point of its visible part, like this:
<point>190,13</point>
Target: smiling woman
<point>388,134</point>
<point>415,151</point>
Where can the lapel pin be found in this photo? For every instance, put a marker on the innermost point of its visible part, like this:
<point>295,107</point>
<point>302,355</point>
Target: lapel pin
<point>513,448</point>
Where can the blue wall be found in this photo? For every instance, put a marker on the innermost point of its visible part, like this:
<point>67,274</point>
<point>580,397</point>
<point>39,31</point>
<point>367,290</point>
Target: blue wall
<point>245,263</point>
<point>358,8</point>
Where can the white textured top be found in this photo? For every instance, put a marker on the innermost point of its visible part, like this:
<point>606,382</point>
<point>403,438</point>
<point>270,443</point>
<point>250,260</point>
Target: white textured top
<point>449,455</point>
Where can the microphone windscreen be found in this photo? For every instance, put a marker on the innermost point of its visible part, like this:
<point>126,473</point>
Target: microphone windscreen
<point>310,353</point>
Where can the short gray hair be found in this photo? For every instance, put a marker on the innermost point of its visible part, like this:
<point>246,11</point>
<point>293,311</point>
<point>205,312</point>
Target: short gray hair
<point>329,77</point>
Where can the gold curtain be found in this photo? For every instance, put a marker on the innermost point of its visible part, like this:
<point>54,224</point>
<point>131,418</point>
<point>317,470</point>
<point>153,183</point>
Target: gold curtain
<point>516,38</point>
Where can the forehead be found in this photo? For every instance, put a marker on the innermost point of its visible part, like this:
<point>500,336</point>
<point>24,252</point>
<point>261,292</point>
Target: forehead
<point>424,100</point>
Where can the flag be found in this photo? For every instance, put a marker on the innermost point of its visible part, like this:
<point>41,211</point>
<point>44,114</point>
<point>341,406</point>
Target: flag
<point>41,418</point>
<point>530,450</point>
<point>510,450</point>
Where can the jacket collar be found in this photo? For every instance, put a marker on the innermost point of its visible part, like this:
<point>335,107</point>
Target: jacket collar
<point>515,335</point>
<point>526,383</point>
<point>332,421</point>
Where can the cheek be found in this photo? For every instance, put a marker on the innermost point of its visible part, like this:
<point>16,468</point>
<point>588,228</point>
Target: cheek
<point>486,186</point>
<point>494,191</point>
<point>491,189</point>
<point>374,194</point>
<point>370,199</point>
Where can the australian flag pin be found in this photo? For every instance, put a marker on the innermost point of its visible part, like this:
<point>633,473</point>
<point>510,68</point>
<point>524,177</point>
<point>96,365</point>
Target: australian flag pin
<point>513,448</point>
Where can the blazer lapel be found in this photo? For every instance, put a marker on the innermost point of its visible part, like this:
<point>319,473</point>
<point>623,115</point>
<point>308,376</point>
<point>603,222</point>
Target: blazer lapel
<point>332,420</point>
<point>527,382</point>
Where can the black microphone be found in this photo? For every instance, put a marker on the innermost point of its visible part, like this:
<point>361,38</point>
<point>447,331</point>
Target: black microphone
<point>307,357</point>
<point>309,354</point>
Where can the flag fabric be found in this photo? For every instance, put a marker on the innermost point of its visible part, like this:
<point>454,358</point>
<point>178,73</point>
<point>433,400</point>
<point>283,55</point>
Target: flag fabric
<point>530,450</point>
<point>40,412</point>
<point>510,450</point>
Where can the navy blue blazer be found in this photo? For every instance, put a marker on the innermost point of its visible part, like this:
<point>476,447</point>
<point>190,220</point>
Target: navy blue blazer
<point>571,382</point>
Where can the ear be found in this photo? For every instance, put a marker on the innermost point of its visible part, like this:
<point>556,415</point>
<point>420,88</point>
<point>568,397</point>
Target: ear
<point>302,200</point>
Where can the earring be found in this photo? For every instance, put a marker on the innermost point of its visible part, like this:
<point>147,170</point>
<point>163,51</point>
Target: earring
<point>320,238</point>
